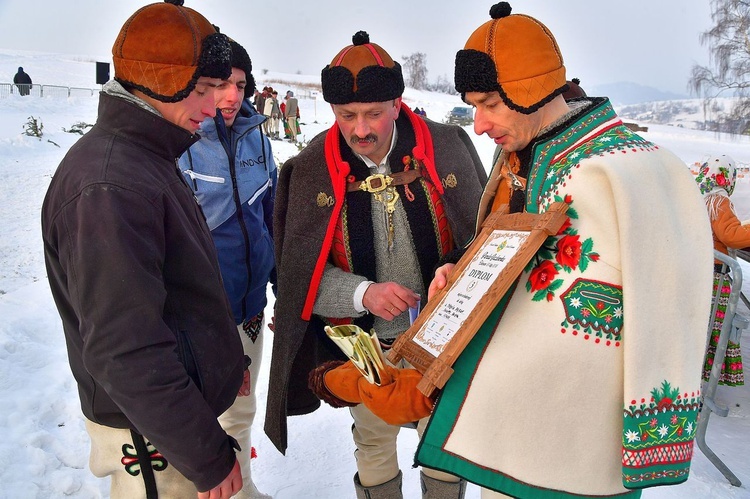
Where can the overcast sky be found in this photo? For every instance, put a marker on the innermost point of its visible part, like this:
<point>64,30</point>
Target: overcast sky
<point>650,42</point>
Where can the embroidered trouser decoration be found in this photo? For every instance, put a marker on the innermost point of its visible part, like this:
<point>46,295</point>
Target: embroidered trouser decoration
<point>253,326</point>
<point>144,459</point>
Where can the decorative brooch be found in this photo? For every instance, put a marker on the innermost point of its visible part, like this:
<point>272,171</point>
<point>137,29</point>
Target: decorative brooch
<point>450,181</point>
<point>324,200</point>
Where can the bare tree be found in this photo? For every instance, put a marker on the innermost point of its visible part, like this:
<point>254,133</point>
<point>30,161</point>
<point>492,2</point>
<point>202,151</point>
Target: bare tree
<point>416,70</point>
<point>729,55</point>
<point>444,85</point>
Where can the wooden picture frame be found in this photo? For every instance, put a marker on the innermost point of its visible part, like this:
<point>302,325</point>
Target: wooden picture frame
<point>490,266</point>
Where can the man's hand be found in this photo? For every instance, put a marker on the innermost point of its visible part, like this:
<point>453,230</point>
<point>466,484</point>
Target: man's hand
<point>228,487</point>
<point>388,299</point>
<point>440,279</point>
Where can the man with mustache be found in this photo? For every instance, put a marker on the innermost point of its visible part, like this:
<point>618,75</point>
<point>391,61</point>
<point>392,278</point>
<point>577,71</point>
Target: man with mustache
<point>363,215</point>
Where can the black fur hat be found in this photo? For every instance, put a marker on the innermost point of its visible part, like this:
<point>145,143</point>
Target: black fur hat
<point>242,61</point>
<point>362,72</point>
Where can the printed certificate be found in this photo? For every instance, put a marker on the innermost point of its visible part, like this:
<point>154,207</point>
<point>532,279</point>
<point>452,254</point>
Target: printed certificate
<point>490,266</point>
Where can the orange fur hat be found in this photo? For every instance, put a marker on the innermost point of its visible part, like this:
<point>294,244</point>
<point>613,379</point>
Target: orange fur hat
<point>164,48</point>
<point>515,55</point>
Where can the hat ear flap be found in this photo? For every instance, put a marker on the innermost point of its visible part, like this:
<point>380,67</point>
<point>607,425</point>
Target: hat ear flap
<point>475,72</point>
<point>379,84</point>
<point>338,85</point>
<point>213,63</point>
<point>250,87</point>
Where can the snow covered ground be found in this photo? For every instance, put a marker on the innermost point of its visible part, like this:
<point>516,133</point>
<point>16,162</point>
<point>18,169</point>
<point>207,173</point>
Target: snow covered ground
<point>43,444</point>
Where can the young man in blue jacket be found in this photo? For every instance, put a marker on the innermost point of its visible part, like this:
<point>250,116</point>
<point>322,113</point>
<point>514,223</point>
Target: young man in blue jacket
<point>233,175</point>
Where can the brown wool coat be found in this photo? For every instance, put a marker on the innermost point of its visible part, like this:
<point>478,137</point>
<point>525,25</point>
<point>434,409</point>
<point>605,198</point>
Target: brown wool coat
<point>300,222</point>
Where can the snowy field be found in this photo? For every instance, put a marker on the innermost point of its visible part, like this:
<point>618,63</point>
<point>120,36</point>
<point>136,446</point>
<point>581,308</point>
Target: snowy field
<point>43,444</point>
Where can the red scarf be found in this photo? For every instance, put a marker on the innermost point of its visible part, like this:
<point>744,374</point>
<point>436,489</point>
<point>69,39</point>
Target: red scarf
<point>338,170</point>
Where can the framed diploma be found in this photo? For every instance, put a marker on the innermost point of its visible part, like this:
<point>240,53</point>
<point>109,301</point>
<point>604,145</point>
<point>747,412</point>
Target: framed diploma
<point>490,266</point>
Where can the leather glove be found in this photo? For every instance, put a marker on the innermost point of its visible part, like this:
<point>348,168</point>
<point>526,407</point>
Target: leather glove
<point>335,383</point>
<point>399,402</point>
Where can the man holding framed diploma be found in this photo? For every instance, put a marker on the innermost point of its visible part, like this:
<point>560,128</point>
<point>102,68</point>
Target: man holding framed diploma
<point>363,216</point>
<point>583,378</point>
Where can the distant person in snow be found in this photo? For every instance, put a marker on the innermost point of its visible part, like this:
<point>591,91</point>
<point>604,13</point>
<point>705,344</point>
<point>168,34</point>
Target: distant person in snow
<point>585,379</point>
<point>716,179</point>
<point>232,172</point>
<point>151,339</point>
<point>22,81</point>
<point>260,101</point>
<point>363,215</point>
<point>273,113</point>
<point>291,115</point>
<point>265,110</point>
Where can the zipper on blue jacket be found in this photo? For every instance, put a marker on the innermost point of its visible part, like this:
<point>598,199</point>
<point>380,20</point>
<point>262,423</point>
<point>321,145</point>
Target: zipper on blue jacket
<point>230,147</point>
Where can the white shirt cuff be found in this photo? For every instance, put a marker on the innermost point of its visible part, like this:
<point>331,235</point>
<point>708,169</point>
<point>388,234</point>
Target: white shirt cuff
<point>359,294</point>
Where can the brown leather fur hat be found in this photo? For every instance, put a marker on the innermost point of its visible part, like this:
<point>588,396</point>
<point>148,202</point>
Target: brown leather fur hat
<point>362,72</point>
<point>515,55</point>
<point>164,48</point>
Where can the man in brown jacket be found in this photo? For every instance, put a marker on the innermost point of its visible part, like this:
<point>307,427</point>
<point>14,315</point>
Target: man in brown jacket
<point>351,249</point>
<point>133,269</point>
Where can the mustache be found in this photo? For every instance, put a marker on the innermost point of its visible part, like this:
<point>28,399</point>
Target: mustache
<point>370,137</point>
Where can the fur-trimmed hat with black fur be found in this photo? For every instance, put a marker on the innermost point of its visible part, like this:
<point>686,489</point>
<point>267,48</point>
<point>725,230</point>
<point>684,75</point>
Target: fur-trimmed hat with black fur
<point>163,48</point>
<point>515,55</point>
<point>362,72</point>
<point>241,60</point>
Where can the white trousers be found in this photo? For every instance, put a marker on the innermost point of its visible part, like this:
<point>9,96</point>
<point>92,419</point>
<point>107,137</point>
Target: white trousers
<point>113,455</point>
<point>238,419</point>
<point>376,454</point>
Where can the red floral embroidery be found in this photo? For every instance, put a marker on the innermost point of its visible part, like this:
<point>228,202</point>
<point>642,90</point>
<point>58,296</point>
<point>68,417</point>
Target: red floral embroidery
<point>541,277</point>
<point>562,252</point>
<point>569,251</point>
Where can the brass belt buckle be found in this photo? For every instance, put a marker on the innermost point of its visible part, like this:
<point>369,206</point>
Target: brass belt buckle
<point>383,181</point>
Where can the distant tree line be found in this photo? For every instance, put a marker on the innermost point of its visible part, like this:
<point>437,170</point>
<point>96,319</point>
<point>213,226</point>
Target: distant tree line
<point>415,67</point>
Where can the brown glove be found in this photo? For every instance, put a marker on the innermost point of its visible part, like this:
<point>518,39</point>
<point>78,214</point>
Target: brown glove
<point>335,383</point>
<point>399,402</point>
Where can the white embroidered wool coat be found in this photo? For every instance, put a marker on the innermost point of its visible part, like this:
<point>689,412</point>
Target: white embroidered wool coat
<point>585,380</point>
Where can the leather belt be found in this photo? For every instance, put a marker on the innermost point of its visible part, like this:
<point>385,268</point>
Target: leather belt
<point>379,181</point>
